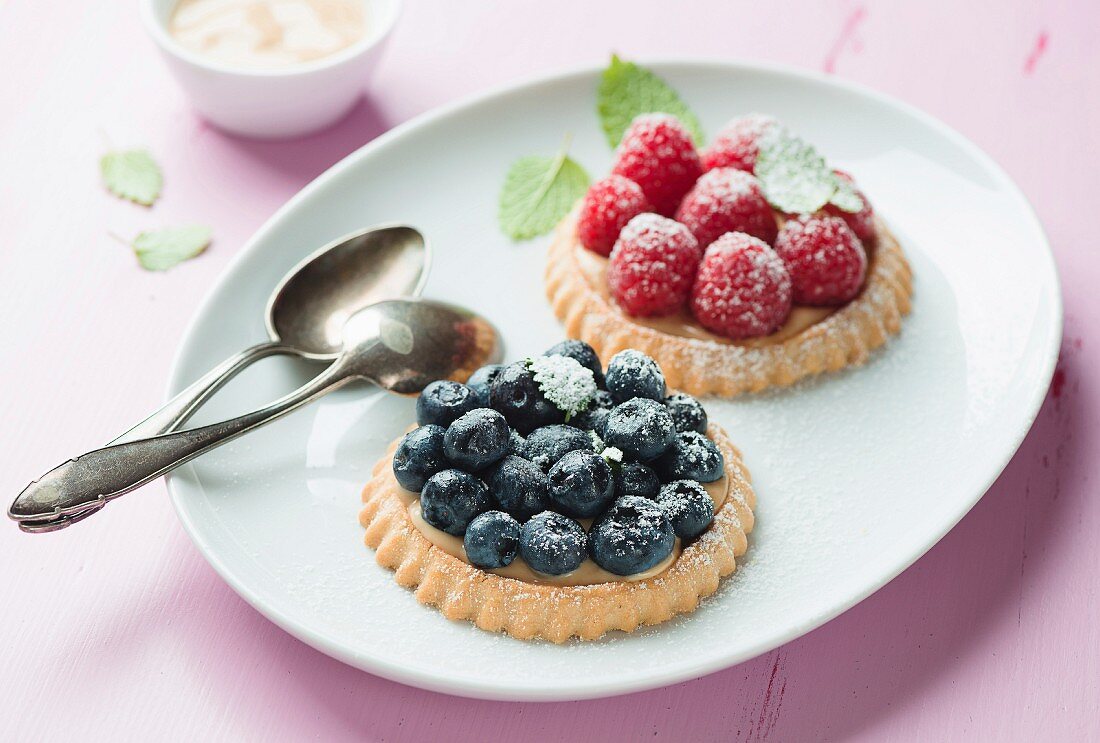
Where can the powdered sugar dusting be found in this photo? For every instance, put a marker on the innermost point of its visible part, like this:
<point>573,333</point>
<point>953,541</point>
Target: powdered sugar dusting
<point>564,382</point>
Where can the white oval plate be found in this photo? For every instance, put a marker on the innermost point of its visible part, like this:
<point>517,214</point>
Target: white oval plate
<point>858,473</point>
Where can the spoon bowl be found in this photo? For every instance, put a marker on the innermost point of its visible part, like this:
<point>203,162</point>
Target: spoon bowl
<point>403,345</point>
<point>308,309</point>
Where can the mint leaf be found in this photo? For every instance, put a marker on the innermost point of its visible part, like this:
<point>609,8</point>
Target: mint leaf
<point>538,191</point>
<point>846,198</point>
<point>132,175</point>
<point>627,90</point>
<point>564,382</point>
<point>159,250</point>
<point>598,444</point>
<point>794,176</point>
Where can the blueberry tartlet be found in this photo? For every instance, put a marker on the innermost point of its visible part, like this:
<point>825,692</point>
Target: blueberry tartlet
<point>553,498</point>
<point>688,257</point>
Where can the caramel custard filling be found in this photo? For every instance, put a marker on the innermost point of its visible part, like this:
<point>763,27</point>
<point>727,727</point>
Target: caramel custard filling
<point>589,573</point>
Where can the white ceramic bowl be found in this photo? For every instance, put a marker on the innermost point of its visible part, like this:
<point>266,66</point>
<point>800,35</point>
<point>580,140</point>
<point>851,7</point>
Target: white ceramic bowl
<point>283,102</point>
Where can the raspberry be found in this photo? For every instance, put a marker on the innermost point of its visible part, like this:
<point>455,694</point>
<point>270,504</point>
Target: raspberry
<point>607,207</point>
<point>657,153</point>
<point>727,200</point>
<point>862,222</point>
<point>826,260</point>
<point>737,145</point>
<point>742,288</point>
<point>652,266</point>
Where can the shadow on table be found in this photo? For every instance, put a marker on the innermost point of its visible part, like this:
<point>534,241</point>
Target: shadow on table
<point>914,636</point>
<point>304,158</point>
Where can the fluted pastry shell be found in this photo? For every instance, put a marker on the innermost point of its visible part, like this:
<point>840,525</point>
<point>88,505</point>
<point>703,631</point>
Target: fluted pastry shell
<point>527,610</point>
<point>814,340</point>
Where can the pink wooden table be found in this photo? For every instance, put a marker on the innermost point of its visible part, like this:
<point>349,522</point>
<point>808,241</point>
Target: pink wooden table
<point>118,630</point>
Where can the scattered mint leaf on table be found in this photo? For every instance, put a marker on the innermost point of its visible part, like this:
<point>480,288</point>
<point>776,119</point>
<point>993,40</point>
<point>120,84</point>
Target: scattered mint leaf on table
<point>627,90</point>
<point>538,191</point>
<point>160,250</point>
<point>845,198</point>
<point>795,178</point>
<point>132,175</point>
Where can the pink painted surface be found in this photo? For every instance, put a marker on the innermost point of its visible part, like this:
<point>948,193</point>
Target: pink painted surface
<point>119,630</point>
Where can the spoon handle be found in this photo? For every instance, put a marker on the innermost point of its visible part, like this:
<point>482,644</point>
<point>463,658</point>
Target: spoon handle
<point>84,484</point>
<point>176,411</point>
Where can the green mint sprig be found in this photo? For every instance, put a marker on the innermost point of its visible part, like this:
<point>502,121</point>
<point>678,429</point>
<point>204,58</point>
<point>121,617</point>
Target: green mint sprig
<point>567,384</point>
<point>795,177</point>
<point>846,198</point>
<point>627,90</point>
<point>538,191</point>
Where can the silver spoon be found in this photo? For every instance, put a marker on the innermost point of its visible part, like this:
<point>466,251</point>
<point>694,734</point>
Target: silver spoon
<point>400,345</point>
<point>307,310</point>
<point>305,316</point>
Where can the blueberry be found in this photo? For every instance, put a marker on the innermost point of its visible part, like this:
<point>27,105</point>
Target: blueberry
<point>546,445</point>
<point>633,374</point>
<point>481,380</point>
<point>583,353</point>
<point>443,402</point>
<point>515,443</point>
<point>552,544</point>
<point>632,537</point>
<point>492,540</point>
<point>635,478</point>
<point>516,394</point>
<point>477,439</point>
<point>692,456</point>
<point>687,413</point>
<point>642,428</point>
<point>594,418</point>
<point>419,456</point>
<point>581,484</point>
<point>519,487</point>
<point>451,499</point>
<point>688,506</point>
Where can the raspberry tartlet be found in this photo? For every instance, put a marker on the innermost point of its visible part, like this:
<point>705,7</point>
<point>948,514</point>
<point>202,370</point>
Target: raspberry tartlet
<point>552,499</point>
<point>696,267</point>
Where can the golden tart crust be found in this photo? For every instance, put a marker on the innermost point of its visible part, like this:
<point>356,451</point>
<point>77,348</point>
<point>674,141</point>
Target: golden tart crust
<point>813,340</point>
<point>556,612</point>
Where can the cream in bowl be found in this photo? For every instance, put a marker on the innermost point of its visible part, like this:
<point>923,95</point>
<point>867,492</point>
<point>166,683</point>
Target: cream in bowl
<point>266,34</point>
<point>271,68</point>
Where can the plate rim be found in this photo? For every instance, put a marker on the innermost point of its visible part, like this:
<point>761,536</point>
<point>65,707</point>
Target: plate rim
<point>660,677</point>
